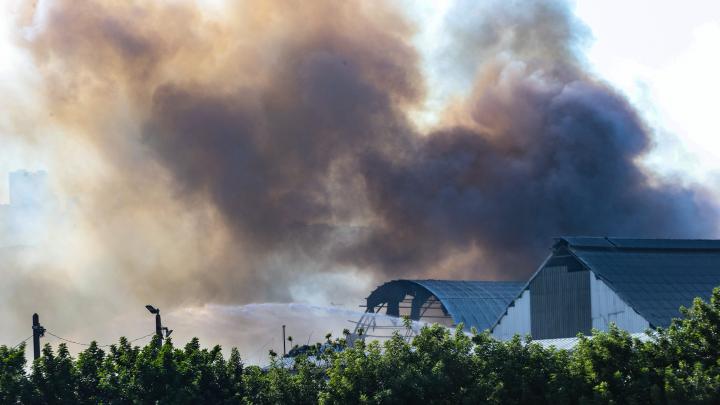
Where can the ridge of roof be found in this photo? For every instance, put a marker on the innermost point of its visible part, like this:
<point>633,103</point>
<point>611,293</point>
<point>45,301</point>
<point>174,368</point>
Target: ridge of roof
<point>488,282</point>
<point>612,243</point>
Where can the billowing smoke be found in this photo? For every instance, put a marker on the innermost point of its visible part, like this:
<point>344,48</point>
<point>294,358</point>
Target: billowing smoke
<point>250,152</point>
<point>539,149</point>
<point>251,119</point>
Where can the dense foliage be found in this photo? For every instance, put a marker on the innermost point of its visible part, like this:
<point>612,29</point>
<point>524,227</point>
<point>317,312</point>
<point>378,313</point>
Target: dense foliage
<point>680,365</point>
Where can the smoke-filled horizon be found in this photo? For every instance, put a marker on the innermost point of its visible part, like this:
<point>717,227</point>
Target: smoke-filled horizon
<point>257,152</point>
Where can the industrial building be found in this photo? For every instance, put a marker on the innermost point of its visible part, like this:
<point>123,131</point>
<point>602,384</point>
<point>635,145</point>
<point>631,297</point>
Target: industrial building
<point>585,283</point>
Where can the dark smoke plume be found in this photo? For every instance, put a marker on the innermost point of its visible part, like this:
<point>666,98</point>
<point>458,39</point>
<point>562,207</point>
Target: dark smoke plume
<point>540,149</point>
<point>291,125</point>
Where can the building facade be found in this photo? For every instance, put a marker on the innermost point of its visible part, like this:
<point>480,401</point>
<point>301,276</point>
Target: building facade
<point>585,283</point>
<point>589,283</point>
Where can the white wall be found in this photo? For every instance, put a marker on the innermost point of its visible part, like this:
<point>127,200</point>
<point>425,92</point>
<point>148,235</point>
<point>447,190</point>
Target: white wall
<point>607,306</point>
<point>517,319</point>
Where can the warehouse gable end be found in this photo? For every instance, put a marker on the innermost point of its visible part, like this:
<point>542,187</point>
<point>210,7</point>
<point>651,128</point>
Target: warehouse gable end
<point>590,282</point>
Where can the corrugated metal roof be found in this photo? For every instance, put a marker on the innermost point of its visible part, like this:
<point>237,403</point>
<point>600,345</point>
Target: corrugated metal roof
<point>474,303</point>
<point>654,276</point>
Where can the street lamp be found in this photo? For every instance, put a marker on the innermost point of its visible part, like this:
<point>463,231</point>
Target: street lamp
<point>159,329</point>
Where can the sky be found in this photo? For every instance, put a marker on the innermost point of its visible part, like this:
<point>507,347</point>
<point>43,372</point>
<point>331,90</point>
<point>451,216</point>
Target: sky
<point>661,55</point>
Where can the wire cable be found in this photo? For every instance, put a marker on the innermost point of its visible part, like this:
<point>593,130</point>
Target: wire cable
<point>98,345</point>
<point>141,337</point>
<point>72,341</point>
<point>26,339</point>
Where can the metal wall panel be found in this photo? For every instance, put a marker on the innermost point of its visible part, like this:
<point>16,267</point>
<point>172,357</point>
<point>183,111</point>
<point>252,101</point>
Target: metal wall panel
<point>607,306</point>
<point>516,320</point>
<point>560,303</point>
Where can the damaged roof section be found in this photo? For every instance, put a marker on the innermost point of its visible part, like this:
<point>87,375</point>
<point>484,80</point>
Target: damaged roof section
<point>474,303</point>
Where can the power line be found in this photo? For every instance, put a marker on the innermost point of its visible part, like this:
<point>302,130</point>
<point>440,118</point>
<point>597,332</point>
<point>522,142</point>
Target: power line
<point>25,340</point>
<point>142,337</point>
<point>39,331</point>
<point>98,345</point>
<point>72,341</point>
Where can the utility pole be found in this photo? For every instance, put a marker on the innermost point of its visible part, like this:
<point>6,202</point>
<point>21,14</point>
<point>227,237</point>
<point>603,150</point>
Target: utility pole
<point>159,329</point>
<point>158,326</point>
<point>38,332</point>
<point>284,351</point>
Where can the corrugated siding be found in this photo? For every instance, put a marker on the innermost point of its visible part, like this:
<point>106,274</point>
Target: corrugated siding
<point>516,320</point>
<point>607,306</point>
<point>560,303</point>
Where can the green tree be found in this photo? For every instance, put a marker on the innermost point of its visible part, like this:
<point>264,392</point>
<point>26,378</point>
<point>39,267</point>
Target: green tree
<point>256,386</point>
<point>234,372</point>
<point>689,350</point>
<point>89,368</point>
<point>53,377</point>
<point>14,385</point>
<point>117,379</point>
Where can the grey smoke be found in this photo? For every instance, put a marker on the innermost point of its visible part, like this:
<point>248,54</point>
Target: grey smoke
<point>275,144</point>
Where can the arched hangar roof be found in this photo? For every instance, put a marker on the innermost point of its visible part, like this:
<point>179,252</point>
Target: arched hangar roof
<point>476,304</point>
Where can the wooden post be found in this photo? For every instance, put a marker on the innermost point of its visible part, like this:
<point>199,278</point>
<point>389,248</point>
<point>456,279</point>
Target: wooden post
<point>284,351</point>
<point>38,332</point>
